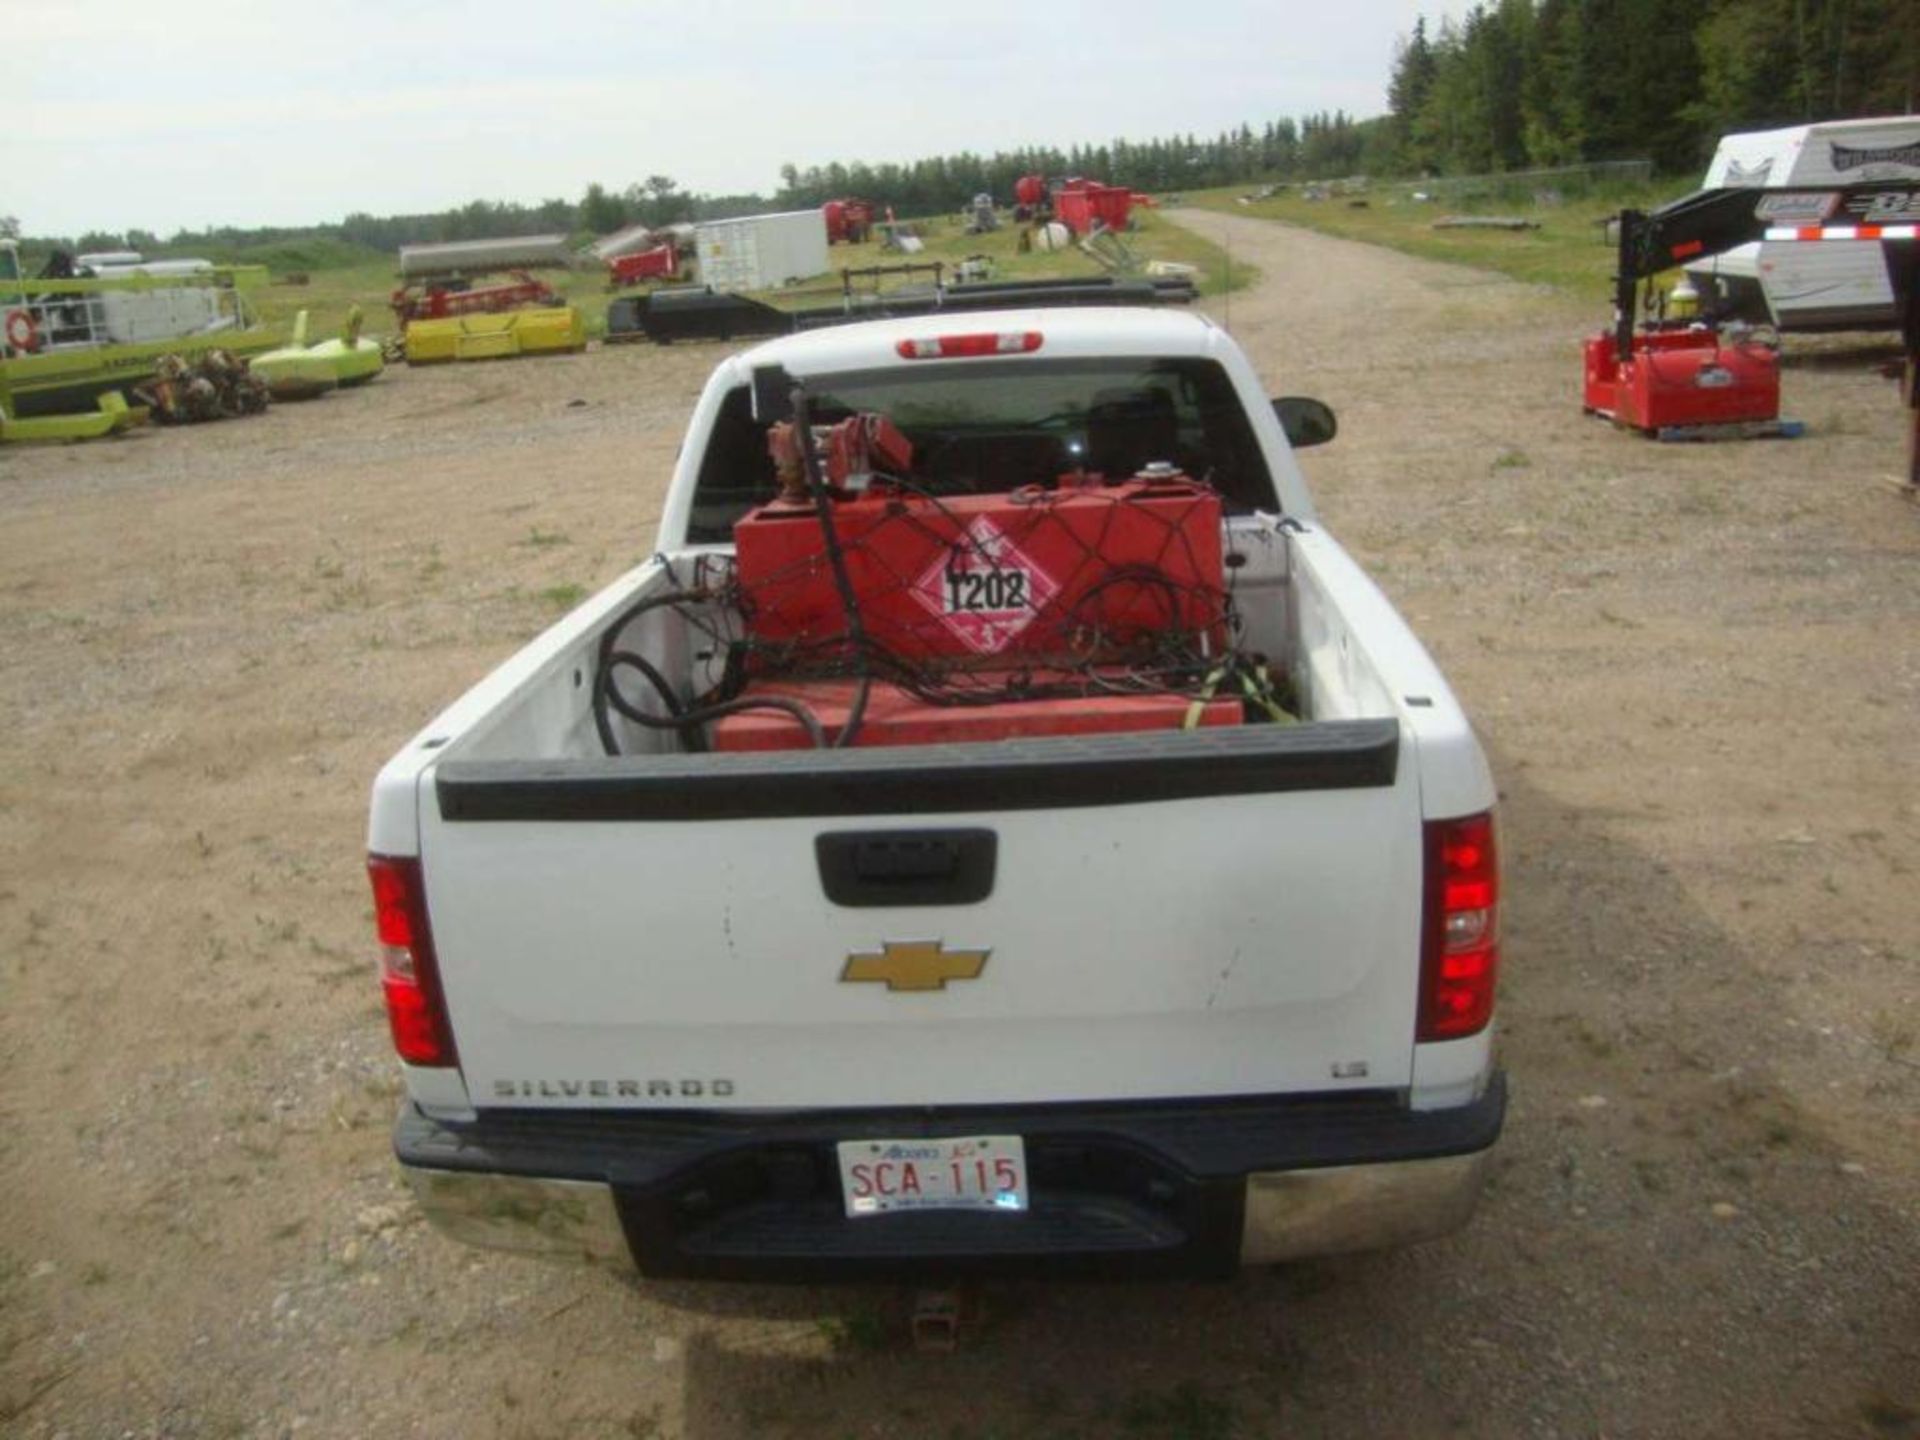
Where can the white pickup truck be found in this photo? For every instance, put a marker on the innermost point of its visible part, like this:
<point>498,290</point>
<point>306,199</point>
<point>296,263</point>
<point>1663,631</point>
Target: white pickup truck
<point>800,907</point>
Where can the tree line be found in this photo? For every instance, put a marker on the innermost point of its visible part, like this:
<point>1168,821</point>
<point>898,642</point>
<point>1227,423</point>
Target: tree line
<point>658,200</point>
<point>1531,83</point>
<point>1322,145</point>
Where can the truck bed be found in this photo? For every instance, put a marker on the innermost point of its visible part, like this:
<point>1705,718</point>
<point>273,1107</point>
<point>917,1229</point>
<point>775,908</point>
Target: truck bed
<point>661,917</point>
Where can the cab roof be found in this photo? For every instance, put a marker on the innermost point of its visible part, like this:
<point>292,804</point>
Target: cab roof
<point>1074,332</point>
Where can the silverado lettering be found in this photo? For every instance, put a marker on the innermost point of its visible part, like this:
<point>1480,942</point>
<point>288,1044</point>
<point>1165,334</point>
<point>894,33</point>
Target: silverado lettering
<point>611,1089</point>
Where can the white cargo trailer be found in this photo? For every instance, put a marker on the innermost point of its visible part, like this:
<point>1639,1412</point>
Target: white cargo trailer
<point>762,252</point>
<point>1841,285</point>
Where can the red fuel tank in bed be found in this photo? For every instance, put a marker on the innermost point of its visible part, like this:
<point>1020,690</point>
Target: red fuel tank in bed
<point>1087,571</point>
<point>894,717</point>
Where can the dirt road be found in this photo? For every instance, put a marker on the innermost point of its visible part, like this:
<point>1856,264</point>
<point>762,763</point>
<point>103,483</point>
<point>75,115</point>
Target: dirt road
<point>1696,668</point>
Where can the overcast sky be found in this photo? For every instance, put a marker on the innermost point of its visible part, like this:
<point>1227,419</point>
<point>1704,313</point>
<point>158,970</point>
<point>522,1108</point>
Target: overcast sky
<point>195,112</point>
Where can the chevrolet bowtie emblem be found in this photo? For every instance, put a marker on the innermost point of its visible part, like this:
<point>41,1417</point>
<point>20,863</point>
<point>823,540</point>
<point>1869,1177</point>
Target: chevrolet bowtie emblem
<point>915,965</point>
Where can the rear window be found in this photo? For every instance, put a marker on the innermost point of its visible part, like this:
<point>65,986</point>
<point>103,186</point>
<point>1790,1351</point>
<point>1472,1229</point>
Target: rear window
<point>986,428</point>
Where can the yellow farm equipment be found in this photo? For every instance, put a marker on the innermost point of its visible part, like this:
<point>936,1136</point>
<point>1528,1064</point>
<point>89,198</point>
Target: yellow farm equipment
<point>543,331</point>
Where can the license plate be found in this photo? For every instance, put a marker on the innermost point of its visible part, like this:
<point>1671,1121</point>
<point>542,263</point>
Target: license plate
<point>978,1172</point>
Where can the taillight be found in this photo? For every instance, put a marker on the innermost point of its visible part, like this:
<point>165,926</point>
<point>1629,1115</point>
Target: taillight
<point>408,974</point>
<point>957,347</point>
<point>1460,950</point>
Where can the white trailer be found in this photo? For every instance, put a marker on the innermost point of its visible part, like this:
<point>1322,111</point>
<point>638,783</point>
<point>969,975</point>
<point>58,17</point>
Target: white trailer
<point>762,252</point>
<point>1837,286</point>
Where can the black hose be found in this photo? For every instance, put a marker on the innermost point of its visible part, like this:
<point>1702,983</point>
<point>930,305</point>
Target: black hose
<point>837,562</point>
<point>688,720</point>
<point>603,691</point>
<point>608,693</point>
<point>816,732</point>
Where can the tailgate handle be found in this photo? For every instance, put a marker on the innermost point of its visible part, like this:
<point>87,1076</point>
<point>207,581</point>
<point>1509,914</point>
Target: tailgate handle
<point>906,867</point>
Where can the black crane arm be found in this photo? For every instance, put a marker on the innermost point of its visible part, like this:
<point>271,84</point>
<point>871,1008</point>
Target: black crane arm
<point>1710,222</point>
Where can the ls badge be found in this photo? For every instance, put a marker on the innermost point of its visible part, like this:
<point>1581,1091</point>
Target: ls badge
<point>914,965</point>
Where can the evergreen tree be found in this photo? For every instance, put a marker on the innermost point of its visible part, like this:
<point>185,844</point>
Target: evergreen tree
<point>600,212</point>
<point>1407,91</point>
<point>1550,113</point>
<point>1765,63</point>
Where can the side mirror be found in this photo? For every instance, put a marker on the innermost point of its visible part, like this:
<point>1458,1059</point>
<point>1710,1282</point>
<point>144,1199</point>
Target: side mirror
<point>1307,422</point>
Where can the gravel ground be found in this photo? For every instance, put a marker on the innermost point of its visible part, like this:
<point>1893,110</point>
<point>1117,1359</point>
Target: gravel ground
<point>1696,669</point>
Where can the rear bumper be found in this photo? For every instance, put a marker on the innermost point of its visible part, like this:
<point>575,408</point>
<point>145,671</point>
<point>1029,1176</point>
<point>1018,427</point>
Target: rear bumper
<point>1191,1189</point>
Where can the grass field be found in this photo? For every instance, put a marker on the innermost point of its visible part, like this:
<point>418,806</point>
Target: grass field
<point>1568,250</point>
<point>347,276</point>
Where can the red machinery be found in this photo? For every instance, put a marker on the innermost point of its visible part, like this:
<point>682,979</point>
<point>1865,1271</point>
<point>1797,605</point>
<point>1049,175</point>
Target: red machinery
<point>1664,377</point>
<point>1084,571</point>
<point>849,222</point>
<point>1682,378</point>
<point>893,716</point>
<point>1080,205</point>
<point>1044,611</point>
<point>662,262</point>
<point>438,297</point>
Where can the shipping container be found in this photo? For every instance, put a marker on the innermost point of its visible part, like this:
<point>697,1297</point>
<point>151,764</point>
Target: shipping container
<point>761,252</point>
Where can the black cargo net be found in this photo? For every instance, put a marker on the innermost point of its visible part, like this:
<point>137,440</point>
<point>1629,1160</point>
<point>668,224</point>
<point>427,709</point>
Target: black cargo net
<point>1042,593</point>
